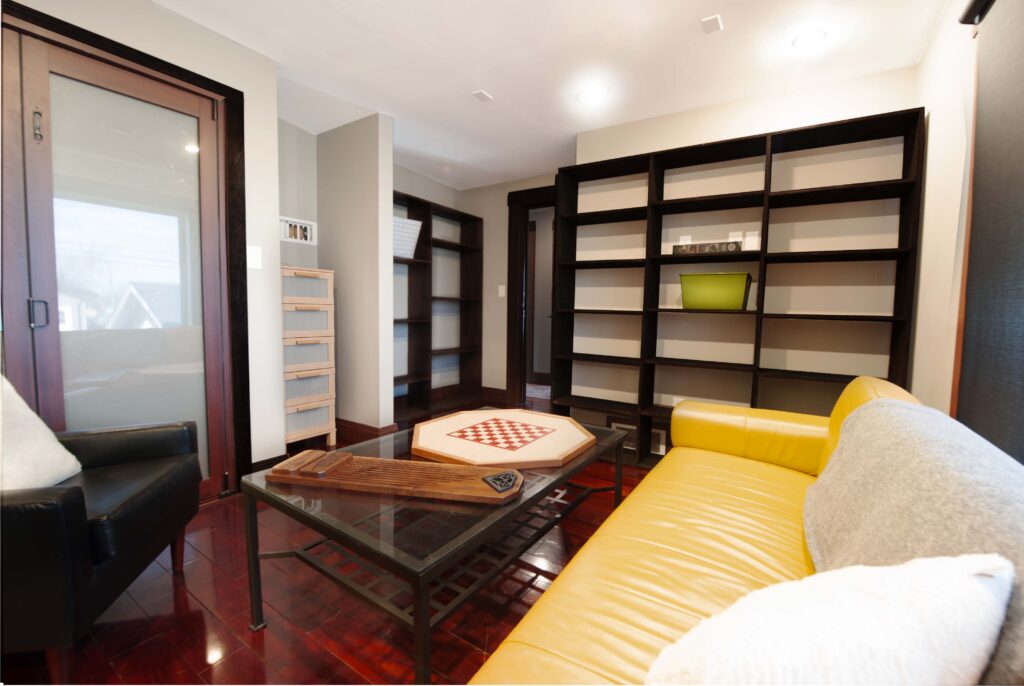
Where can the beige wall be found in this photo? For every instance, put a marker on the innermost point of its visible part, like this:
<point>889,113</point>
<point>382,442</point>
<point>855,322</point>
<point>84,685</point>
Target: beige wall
<point>354,201</point>
<point>414,183</point>
<point>296,164</point>
<point>146,27</point>
<point>947,75</point>
<point>491,203</point>
<point>943,83</point>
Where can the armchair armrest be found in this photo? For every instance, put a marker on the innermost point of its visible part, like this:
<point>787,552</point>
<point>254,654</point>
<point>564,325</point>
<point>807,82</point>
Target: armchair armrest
<point>46,566</point>
<point>106,447</point>
<point>787,439</point>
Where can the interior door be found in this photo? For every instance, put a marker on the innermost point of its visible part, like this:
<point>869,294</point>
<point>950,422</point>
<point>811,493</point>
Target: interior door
<point>123,218</point>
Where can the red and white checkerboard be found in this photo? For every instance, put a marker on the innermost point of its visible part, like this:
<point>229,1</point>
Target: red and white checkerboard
<point>502,433</point>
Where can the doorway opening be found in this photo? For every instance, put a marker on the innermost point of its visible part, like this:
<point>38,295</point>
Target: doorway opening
<point>531,236</point>
<point>540,249</point>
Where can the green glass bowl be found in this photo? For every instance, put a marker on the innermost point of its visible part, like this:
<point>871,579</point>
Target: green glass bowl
<point>723,291</point>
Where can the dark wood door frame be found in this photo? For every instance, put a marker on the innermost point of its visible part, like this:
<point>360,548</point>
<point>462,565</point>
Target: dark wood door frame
<point>234,309</point>
<point>519,205</point>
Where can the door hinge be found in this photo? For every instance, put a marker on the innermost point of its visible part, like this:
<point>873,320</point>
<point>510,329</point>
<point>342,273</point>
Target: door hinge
<point>225,489</point>
<point>37,125</point>
<point>215,108</point>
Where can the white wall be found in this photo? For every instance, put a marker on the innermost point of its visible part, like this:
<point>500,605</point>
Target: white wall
<point>168,36</point>
<point>296,168</point>
<point>947,76</point>
<point>491,203</point>
<point>354,207</point>
<point>943,83</point>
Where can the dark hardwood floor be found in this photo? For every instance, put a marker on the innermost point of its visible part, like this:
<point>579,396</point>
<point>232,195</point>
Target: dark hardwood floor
<point>194,629</point>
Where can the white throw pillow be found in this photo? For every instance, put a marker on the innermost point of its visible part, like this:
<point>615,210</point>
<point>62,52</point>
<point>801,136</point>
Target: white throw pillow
<point>927,621</point>
<point>30,455</point>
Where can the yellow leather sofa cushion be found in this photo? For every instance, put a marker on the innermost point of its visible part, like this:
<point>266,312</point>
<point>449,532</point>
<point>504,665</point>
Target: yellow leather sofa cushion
<point>859,391</point>
<point>701,530</point>
<point>786,439</point>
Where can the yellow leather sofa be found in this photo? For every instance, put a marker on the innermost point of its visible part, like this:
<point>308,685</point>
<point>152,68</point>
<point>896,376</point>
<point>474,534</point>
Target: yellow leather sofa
<point>721,515</point>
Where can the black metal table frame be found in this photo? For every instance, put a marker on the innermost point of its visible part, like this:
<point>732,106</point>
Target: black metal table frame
<point>490,546</point>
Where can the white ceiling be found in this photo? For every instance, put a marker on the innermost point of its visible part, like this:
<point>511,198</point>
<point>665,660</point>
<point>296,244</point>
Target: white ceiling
<point>420,60</point>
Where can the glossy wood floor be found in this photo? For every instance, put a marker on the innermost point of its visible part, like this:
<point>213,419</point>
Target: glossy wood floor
<point>194,628</point>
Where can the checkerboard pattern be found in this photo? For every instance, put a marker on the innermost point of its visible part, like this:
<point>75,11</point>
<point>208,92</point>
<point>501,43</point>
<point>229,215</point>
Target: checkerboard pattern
<point>502,433</point>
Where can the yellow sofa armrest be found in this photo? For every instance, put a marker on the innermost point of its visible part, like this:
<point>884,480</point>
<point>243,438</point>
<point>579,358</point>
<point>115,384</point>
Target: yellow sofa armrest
<point>787,439</point>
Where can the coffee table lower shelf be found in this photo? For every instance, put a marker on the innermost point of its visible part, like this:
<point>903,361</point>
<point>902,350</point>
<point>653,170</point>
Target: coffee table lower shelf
<point>423,603</point>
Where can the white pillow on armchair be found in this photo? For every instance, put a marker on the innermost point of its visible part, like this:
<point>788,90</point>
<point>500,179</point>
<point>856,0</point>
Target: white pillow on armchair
<point>30,455</point>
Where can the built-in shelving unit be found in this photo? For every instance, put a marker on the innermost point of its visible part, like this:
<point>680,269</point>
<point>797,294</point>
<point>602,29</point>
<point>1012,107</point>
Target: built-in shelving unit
<point>828,217</point>
<point>438,318</point>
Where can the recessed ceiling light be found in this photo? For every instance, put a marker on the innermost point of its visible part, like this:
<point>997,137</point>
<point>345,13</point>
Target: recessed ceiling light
<point>809,39</point>
<point>594,95</point>
<point>482,95</point>
<point>712,24</point>
<point>192,148</point>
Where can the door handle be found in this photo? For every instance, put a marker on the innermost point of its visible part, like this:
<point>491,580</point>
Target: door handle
<point>33,323</point>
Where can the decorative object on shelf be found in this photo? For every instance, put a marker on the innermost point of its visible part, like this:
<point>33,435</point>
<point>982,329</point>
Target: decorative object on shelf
<point>406,233</point>
<point>307,302</point>
<point>624,424</point>
<point>298,231</point>
<point>502,438</point>
<point>721,291</point>
<point>345,471</point>
<point>705,248</point>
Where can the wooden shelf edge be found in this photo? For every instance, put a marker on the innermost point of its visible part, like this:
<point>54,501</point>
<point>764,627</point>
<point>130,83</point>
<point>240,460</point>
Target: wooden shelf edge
<point>698,258</point>
<point>700,364</point>
<point>596,405</point>
<point>680,310</point>
<point>805,376</point>
<point>798,257</point>
<point>601,359</point>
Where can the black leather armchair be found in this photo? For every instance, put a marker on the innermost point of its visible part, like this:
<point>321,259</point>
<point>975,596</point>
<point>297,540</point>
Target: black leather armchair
<point>70,550</point>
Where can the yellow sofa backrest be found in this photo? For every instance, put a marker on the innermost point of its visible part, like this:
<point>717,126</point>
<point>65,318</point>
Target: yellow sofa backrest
<point>857,392</point>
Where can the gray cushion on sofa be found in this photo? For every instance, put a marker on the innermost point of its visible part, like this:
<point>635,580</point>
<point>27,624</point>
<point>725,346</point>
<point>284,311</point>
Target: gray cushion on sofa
<point>907,481</point>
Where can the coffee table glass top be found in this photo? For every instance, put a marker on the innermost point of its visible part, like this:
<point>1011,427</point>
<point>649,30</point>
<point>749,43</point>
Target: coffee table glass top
<point>415,533</point>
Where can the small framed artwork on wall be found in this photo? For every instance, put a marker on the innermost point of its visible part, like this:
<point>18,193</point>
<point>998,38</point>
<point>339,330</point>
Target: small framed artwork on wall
<point>298,231</point>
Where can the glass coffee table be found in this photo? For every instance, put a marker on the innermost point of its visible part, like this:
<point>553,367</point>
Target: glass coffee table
<point>416,559</point>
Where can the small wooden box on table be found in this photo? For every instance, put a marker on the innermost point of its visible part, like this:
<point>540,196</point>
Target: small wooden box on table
<point>307,303</point>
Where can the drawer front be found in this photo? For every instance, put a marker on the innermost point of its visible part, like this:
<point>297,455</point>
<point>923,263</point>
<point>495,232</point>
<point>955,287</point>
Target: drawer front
<point>308,320</point>
<point>304,354</point>
<point>302,388</point>
<point>307,286</point>
<point>312,419</point>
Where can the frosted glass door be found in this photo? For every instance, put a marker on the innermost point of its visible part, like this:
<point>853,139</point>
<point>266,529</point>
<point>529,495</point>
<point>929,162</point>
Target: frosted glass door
<point>126,229</point>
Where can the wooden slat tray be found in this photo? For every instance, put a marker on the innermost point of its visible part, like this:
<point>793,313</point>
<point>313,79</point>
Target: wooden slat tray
<point>345,471</point>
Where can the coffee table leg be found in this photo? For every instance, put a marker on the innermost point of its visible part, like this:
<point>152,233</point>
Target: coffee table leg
<point>618,474</point>
<point>421,632</point>
<point>252,551</point>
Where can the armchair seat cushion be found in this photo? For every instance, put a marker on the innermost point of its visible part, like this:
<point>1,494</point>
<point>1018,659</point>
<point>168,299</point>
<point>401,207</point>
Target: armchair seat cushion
<point>127,502</point>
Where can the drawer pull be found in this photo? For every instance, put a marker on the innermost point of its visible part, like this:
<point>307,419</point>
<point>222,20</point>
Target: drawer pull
<point>311,406</point>
<point>308,308</point>
<point>307,375</point>
<point>308,341</point>
<point>308,275</point>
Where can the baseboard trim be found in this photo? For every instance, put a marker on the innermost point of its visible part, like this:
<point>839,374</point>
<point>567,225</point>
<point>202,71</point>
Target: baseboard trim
<point>496,397</point>
<point>353,432</point>
<point>268,463</point>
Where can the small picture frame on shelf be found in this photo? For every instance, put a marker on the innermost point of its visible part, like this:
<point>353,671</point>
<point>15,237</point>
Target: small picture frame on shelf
<point>707,248</point>
<point>629,426</point>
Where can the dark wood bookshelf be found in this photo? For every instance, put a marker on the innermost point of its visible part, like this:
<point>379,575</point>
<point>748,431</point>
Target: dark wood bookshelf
<point>908,125</point>
<point>681,310</point>
<point>638,263</point>
<point>698,258</point>
<point>700,364</point>
<point>600,311</point>
<point>601,359</point>
<point>422,402</point>
<point>877,254</point>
